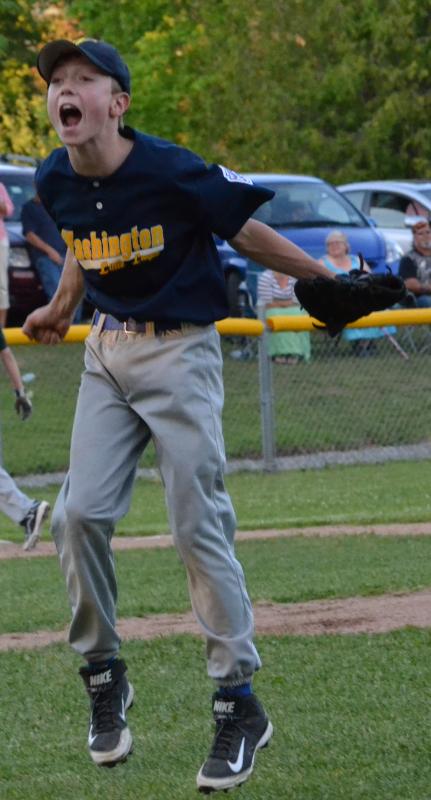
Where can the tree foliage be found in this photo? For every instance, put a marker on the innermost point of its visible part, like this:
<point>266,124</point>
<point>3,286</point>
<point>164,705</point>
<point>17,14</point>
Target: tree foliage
<point>18,29</point>
<point>24,25</point>
<point>338,89</point>
<point>341,90</point>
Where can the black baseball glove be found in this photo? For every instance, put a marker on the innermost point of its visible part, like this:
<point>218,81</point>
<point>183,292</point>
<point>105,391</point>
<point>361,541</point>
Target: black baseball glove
<point>345,298</point>
<point>23,406</point>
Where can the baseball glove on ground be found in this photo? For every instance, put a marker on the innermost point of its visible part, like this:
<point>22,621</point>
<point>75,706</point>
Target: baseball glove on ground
<point>346,298</point>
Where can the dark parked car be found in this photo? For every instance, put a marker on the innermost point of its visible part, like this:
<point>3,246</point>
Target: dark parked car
<point>25,290</point>
<point>304,210</point>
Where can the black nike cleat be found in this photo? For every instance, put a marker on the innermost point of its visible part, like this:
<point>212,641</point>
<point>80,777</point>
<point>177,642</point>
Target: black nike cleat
<point>242,728</point>
<point>109,738</point>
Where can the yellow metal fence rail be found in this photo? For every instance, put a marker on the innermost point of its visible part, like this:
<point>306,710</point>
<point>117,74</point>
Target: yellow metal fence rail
<point>232,326</point>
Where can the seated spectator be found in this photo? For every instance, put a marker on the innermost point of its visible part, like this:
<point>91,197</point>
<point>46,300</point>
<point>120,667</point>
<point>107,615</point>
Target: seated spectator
<point>275,292</point>
<point>339,259</point>
<point>415,266</point>
<point>20,508</point>
<point>47,247</point>
<point>300,212</point>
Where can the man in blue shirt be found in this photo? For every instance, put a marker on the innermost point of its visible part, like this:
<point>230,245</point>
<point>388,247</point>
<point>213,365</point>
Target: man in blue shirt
<point>138,215</point>
<point>47,247</point>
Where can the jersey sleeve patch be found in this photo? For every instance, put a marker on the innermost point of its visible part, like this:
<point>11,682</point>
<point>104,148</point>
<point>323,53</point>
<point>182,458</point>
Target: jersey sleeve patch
<point>234,177</point>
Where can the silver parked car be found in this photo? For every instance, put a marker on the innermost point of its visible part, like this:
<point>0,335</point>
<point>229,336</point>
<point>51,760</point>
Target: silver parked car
<point>392,205</point>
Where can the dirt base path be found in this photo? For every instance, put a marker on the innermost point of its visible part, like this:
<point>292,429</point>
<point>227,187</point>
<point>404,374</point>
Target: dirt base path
<point>349,616</point>
<point>342,616</point>
<point>43,549</point>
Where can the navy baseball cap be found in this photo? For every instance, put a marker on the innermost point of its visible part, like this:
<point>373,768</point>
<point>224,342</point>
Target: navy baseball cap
<point>102,55</point>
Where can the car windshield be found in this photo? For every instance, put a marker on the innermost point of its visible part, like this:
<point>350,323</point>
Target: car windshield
<point>20,189</point>
<point>307,204</point>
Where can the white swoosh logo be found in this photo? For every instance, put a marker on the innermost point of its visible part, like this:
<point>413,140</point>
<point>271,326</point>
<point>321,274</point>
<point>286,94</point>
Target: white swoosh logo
<point>237,765</point>
<point>91,738</point>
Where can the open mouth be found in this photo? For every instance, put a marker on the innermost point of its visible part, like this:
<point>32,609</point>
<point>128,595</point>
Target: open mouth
<point>70,115</point>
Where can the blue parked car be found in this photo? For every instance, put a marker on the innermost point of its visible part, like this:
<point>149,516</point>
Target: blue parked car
<point>304,209</point>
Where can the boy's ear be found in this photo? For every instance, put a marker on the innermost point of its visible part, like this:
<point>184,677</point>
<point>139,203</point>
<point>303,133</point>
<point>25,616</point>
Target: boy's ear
<point>120,103</point>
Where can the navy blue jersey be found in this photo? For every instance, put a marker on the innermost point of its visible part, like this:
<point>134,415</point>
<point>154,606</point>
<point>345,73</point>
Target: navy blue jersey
<point>143,235</point>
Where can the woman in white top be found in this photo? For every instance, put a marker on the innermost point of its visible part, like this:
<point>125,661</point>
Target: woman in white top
<point>276,292</point>
<point>6,210</point>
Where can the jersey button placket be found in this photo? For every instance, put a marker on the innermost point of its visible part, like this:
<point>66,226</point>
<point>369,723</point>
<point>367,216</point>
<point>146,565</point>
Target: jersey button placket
<point>98,203</point>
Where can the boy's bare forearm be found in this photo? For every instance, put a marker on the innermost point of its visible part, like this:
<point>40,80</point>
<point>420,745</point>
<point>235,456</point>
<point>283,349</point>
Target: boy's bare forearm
<point>49,324</point>
<point>263,245</point>
<point>70,290</point>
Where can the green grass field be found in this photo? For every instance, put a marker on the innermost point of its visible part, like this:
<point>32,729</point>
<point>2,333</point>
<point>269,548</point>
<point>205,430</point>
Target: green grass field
<point>351,713</point>
<point>392,492</point>
<point>283,571</point>
<point>334,402</point>
<point>350,717</point>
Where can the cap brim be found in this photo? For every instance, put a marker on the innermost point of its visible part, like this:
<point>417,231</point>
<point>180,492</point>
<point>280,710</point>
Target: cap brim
<point>50,54</point>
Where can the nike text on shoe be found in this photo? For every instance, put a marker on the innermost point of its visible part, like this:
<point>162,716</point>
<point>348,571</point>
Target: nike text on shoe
<point>32,523</point>
<point>242,727</point>
<point>111,694</point>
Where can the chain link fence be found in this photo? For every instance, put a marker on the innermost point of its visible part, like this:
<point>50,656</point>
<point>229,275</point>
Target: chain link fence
<point>338,401</point>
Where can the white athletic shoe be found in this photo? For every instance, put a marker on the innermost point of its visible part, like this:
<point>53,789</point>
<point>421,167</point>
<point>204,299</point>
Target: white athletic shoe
<point>32,523</point>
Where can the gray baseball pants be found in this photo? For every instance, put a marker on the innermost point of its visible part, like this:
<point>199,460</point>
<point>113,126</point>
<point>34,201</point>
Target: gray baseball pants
<point>14,503</point>
<point>167,388</point>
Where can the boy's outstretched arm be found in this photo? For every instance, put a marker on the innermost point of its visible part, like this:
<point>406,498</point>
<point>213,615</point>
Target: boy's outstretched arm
<point>49,324</point>
<point>262,244</point>
<point>23,405</point>
<point>12,370</point>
